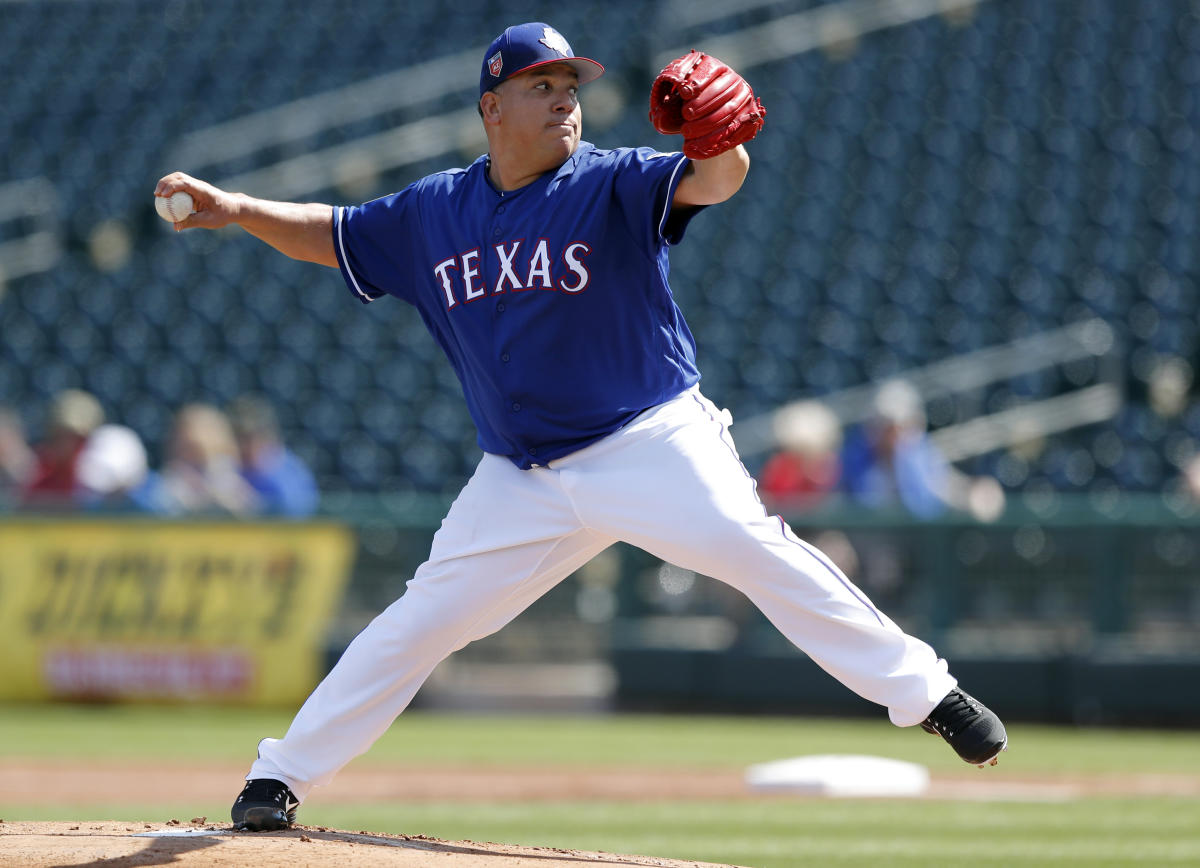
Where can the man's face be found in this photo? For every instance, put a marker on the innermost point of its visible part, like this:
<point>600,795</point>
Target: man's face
<point>539,112</point>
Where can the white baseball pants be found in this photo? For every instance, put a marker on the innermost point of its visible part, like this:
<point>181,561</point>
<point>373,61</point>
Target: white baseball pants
<point>670,482</point>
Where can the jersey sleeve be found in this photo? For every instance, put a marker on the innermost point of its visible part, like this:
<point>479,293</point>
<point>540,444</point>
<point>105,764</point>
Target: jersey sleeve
<point>375,245</point>
<point>645,185</point>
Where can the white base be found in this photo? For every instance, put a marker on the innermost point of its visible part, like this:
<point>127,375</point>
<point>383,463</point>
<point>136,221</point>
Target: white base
<point>840,776</point>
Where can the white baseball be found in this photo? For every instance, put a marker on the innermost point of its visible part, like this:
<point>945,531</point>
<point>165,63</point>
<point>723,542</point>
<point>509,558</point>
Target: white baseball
<point>175,207</point>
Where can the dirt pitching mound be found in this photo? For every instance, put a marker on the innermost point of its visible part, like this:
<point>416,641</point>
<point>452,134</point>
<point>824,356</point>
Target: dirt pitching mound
<point>123,845</point>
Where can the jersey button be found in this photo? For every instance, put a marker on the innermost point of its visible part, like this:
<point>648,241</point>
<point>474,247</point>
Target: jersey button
<point>500,307</point>
<point>504,357</point>
<point>533,451</point>
<point>516,407</point>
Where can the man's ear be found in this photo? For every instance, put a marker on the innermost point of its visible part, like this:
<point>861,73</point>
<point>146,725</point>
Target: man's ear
<point>489,107</point>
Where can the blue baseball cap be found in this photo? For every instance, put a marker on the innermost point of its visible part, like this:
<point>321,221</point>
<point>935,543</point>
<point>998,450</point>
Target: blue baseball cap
<point>525,46</point>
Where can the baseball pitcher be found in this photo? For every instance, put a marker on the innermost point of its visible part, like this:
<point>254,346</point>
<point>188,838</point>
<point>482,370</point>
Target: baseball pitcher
<point>541,271</point>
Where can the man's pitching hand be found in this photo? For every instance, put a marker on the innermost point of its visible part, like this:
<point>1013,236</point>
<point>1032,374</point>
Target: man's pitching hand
<point>214,207</point>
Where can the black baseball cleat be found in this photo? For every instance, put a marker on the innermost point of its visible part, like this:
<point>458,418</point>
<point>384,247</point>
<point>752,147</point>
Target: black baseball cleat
<point>264,805</point>
<point>974,731</point>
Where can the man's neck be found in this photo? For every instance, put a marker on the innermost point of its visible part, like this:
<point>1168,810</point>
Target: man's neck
<point>509,177</point>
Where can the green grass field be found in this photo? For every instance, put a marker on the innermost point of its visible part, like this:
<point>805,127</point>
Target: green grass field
<point>766,833</point>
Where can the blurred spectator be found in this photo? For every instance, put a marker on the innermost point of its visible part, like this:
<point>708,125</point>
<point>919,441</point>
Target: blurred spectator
<point>1191,477</point>
<point>200,474</point>
<point>112,472</point>
<point>1168,385</point>
<point>17,460</point>
<point>73,416</point>
<point>890,460</point>
<point>283,483</point>
<point>806,467</point>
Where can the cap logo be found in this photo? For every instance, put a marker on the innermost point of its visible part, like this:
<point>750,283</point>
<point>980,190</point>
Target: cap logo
<point>495,63</point>
<point>553,40</point>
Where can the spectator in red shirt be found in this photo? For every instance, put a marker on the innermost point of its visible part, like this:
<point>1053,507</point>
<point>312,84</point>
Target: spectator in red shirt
<point>73,416</point>
<point>806,467</point>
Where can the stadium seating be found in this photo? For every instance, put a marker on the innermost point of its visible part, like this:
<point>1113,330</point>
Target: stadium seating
<point>944,186</point>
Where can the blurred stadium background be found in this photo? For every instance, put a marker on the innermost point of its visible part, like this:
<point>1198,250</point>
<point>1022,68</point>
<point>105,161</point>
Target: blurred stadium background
<point>996,198</point>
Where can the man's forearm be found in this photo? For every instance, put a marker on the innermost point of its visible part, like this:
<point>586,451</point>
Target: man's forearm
<point>714,180</point>
<point>301,231</point>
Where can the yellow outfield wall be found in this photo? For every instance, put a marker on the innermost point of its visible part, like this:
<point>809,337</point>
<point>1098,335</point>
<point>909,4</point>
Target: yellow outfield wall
<point>142,609</point>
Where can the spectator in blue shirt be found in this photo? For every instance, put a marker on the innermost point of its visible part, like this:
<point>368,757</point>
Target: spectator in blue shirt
<point>891,461</point>
<point>284,484</point>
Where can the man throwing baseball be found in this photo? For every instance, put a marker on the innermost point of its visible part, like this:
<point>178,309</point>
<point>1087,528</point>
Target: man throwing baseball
<point>541,272</point>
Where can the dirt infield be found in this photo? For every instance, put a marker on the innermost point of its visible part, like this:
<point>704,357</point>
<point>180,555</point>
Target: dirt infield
<point>122,845</point>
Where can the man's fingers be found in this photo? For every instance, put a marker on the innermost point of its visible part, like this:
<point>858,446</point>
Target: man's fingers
<point>174,183</point>
<point>196,220</point>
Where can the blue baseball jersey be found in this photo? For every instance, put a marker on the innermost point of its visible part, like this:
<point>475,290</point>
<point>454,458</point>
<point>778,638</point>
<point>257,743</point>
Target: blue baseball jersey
<point>550,301</point>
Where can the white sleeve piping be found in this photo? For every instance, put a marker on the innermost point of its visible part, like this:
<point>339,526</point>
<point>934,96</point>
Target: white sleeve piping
<point>362,294</point>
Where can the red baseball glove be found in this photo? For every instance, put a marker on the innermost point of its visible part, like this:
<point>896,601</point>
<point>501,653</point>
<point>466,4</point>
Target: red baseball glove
<point>708,102</point>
